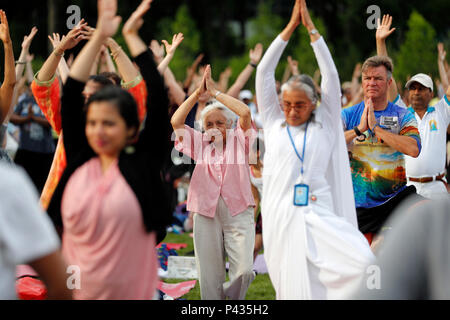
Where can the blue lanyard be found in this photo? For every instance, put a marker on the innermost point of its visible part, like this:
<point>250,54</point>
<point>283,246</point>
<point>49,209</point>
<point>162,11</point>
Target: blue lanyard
<point>302,157</point>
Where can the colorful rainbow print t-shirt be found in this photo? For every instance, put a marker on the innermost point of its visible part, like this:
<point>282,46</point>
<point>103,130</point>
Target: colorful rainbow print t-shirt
<point>378,170</point>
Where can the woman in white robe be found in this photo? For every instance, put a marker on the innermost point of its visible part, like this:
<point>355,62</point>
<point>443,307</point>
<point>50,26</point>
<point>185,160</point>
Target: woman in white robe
<point>314,250</point>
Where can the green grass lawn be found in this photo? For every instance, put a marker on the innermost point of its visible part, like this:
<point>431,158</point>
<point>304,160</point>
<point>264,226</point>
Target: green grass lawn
<point>260,289</point>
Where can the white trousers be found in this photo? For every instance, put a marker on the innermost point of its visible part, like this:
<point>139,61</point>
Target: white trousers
<point>431,190</point>
<point>220,237</point>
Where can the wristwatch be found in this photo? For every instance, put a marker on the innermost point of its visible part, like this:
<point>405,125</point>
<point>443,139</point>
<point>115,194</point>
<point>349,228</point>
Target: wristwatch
<point>373,129</point>
<point>313,31</point>
<point>359,135</point>
<point>217,94</point>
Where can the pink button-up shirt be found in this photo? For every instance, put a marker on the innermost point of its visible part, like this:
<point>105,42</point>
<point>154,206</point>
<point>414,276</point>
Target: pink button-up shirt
<point>218,173</point>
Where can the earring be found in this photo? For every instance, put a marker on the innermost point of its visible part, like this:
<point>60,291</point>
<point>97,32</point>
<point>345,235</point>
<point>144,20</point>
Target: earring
<point>130,149</point>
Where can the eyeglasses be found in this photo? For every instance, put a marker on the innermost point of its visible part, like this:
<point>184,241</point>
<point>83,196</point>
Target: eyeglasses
<point>287,106</point>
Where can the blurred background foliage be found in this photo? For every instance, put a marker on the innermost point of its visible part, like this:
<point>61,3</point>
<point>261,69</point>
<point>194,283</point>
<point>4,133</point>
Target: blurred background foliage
<point>226,30</point>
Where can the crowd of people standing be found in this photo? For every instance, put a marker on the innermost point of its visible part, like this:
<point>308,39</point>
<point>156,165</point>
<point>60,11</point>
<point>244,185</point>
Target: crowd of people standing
<point>312,173</point>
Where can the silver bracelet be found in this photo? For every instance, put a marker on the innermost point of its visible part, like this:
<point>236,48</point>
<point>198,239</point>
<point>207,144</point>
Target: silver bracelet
<point>115,53</point>
<point>58,55</point>
<point>217,94</point>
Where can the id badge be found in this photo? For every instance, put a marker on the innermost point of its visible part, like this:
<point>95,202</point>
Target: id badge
<point>390,123</point>
<point>301,194</point>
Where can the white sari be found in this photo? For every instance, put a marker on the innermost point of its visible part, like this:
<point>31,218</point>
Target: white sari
<point>314,251</point>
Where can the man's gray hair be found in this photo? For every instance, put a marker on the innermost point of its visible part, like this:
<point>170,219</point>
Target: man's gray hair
<point>376,61</point>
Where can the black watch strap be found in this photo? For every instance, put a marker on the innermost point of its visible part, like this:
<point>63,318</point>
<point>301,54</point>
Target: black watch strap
<point>358,133</point>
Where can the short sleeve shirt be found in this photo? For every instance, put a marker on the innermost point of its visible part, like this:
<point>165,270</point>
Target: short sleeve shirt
<point>378,170</point>
<point>433,133</point>
<point>26,232</point>
<point>33,136</point>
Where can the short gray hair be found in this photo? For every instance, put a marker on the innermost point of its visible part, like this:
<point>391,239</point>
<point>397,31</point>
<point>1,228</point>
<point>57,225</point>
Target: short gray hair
<point>228,114</point>
<point>376,61</point>
<point>303,83</point>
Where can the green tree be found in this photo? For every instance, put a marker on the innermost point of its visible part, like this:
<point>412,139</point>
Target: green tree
<point>264,28</point>
<point>301,49</point>
<point>189,48</point>
<point>267,25</point>
<point>418,52</point>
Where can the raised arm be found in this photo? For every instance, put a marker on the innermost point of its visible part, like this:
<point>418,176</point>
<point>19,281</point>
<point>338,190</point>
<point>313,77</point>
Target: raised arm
<point>155,134</point>
<point>47,92</point>
<point>294,22</point>
<point>224,78</point>
<point>105,61</point>
<point>293,66</point>
<point>61,65</point>
<point>26,44</point>
<point>356,86</point>
<point>20,66</point>
<point>179,117</point>
<point>255,55</point>
<point>60,45</point>
<point>266,92</point>
<point>7,88</point>
<point>158,51</point>
<point>191,72</point>
<point>170,51</point>
<point>286,74</point>
<point>175,90</point>
<point>107,25</point>
<point>330,86</point>
<point>125,66</point>
<point>441,65</point>
<point>235,105</point>
<point>383,31</point>
<point>29,74</point>
<point>72,99</point>
<point>307,22</point>
<point>131,27</point>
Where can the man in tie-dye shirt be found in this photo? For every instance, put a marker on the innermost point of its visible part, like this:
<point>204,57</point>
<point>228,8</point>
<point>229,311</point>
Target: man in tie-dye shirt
<point>379,134</point>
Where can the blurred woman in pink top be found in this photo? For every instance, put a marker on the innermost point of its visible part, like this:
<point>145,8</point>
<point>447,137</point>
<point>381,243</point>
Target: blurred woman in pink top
<point>220,192</point>
<point>110,199</point>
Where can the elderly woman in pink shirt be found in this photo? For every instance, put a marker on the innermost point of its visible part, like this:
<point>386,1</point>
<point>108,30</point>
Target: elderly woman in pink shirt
<point>220,191</point>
